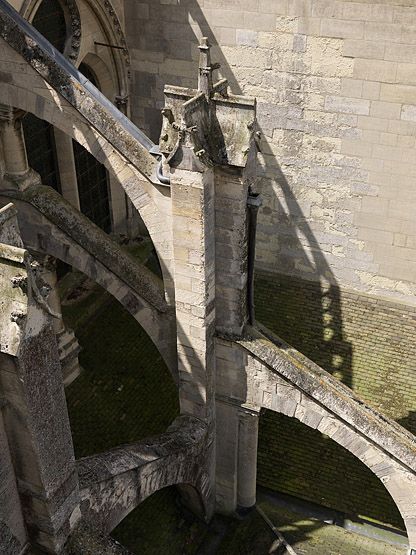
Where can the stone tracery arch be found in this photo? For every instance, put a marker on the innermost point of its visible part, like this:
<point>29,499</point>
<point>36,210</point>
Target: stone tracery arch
<point>73,21</point>
<point>107,16</point>
<point>112,32</point>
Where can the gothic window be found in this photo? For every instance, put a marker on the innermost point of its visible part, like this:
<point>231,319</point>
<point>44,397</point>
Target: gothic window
<point>41,150</point>
<point>50,21</point>
<point>92,177</point>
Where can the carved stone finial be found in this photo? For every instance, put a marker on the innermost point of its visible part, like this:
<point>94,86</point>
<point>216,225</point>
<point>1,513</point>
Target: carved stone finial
<point>205,83</point>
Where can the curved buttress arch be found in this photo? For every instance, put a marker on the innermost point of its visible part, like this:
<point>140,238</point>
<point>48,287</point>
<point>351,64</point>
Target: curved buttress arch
<point>151,201</point>
<point>400,484</point>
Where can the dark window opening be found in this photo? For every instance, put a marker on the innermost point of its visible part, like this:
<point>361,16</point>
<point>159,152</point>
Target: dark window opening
<point>89,74</point>
<point>50,21</point>
<point>41,150</point>
<point>92,178</point>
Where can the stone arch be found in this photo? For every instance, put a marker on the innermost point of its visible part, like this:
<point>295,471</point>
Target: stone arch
<point>101,71</point>
<point>191,491</point>
<point>397,481</point>
<point>27,90</point>
<point>270,388</point>
<point>113,31</point>
<point>52,234</point>
<point>114,483</point>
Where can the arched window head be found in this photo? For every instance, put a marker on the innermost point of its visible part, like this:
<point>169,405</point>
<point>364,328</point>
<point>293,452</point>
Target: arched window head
<point>89,74</point>
<point>50,20</point>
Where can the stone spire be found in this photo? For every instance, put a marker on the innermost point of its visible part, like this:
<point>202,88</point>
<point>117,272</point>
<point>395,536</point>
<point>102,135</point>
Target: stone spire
<point>205,82</point>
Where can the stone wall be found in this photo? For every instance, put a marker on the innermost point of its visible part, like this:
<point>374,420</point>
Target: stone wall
<point>366,342</point>
<point>335,85</point>
<point>323,472</point>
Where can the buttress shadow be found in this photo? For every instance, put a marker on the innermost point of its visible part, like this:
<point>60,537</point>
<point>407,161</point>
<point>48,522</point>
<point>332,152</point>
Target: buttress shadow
<point>304,310</point>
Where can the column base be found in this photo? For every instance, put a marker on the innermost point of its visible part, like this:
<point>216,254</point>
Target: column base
<point>242,512</point>
<point>21,182</point>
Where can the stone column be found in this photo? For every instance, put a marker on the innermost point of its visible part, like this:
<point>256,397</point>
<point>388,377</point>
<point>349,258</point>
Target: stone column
<point>67,170</point>
<point>231,190</point>
<point>194,262</point>
<point>14,149</point>
<point>226,471</point>
<point>17,171</point>
<point>236,455</point>
<point>207,139</point>
<point>247,458</point>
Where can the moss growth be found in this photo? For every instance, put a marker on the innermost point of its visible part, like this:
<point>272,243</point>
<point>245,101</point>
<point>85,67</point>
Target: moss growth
<point>346,336</point>
<point>304,463</point>
<point>307,535</point>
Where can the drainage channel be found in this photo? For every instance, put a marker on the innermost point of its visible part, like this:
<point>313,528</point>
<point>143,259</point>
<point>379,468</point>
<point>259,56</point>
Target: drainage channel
<point>280,542</point>
<point>356,525</point>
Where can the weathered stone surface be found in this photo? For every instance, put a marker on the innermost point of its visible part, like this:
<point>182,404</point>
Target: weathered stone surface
<point>281,379</point>
<point>310,379</point>
<point>52,226</point>
<point>114,483</point>
<point>35,415</point>
<point>332,124</point>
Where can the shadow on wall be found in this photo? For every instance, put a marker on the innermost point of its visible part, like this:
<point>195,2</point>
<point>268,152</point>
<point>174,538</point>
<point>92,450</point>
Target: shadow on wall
<point>171,32</point>
<point>309,317</point>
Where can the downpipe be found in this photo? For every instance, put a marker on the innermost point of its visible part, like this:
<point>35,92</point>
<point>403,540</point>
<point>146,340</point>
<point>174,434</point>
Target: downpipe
<point>254,201</point>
